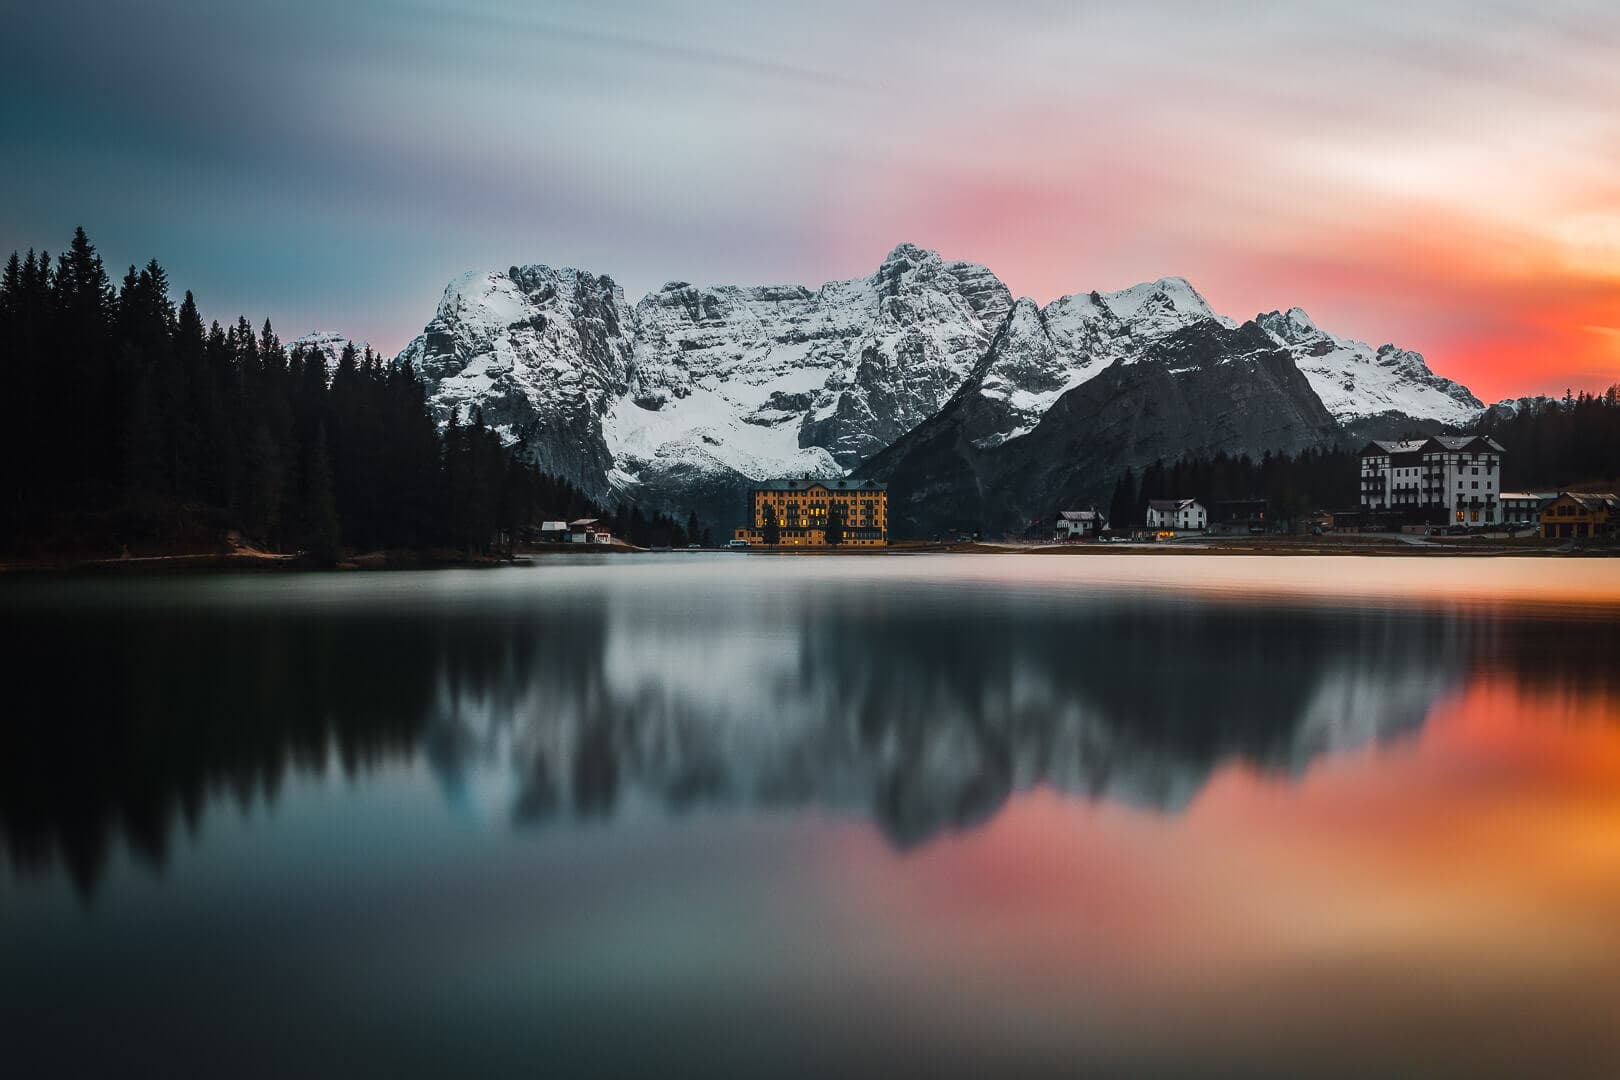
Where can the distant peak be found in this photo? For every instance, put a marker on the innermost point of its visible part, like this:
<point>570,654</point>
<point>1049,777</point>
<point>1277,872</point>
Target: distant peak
<point>907,252</point>
<point>1289,327</point>
<point>1177,292</point>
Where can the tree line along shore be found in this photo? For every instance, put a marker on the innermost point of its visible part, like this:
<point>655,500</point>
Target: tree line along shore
<point>143,437</point>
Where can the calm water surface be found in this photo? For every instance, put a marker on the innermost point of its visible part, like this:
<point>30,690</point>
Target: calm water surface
<point>727,814</point>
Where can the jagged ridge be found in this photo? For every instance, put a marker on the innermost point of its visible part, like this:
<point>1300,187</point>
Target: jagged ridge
<point>683,398</point>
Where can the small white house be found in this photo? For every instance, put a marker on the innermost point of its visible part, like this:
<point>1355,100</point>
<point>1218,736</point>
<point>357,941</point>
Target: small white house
<point>1523,508</point>
<point>1078,524</point>
<point>582,531</point>
<point>1176,515</point>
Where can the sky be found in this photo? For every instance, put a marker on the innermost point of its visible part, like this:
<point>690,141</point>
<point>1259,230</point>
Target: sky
<point>1443,176</point>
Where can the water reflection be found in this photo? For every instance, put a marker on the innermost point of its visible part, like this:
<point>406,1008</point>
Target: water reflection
<point>923,706</point>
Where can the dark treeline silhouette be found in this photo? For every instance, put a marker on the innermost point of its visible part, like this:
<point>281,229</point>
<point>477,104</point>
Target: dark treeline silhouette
<point>1553,443</point>
<point>227,704</point>
<point>1293,484</point>
<point>133,427</point>
<point>1549,443</point>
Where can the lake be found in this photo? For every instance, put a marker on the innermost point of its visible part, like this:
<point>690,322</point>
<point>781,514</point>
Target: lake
<point>727,814</point>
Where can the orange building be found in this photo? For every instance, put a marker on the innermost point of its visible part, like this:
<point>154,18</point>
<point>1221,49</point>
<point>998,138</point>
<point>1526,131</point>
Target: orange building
<point>818,513</point>
<point>1581,515</point>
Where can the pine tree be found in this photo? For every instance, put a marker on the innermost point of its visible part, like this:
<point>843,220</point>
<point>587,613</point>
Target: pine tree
<point>321,537</point>
<point>1122,507</point>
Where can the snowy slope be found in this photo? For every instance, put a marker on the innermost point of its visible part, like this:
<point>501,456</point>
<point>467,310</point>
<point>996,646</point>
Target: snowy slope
<point>684,397</point>
<point>705,386</point>
<point>1356,381</point>
<point>544,352</point>
<point>1045,353</point>
<point>329,343</point>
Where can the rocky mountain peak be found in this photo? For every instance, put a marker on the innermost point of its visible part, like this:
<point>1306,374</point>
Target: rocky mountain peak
<point>329,343</point>
<point>1292,327</point>
<point>684,397</point>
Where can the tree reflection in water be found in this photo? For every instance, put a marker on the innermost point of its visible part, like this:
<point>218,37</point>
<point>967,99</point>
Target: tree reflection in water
<point>925,710</point>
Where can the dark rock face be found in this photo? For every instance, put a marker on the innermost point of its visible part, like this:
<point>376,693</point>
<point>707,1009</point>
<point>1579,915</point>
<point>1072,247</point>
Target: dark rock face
<point>1200,390</point>
<point>542,353</point>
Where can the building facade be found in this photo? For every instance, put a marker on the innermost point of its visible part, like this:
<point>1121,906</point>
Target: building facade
<point>1523,508</point>
<point>1581,515</point>
<point>1078,524</point>
<point>1441,480</point>
<point>1239,517</point>
<point>1176,515</point>
<point>818,513</point>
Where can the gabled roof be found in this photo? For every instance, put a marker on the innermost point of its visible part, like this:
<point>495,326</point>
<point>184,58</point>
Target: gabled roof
<point>1434,442</point>
<point>583,522</point>
<point>1171,505</point>
<point>1467,442</point>
<point>553,526</point>
<point>1593,500</point>
<point>1396,446</point>
<point>806,483</point>
<point>1079,515</point>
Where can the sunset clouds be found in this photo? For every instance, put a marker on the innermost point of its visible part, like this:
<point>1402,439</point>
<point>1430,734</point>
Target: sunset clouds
<point>1441,176</point>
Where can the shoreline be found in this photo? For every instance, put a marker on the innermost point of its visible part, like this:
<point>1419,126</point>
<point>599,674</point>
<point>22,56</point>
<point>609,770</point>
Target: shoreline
<point>1365,545</point>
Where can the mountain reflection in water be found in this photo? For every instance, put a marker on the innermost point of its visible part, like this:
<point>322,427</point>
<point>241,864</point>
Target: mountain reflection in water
<point>139,707</point>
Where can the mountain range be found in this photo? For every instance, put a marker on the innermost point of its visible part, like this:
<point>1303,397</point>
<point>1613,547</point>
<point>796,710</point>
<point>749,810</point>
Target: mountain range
<point>977,407</point>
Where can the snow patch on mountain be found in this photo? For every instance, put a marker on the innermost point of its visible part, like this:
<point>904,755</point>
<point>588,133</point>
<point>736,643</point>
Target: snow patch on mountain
<point>1356,381</point>
<point>706,388</point>
<point>1044,353</point>
<point>329,343</point>
<point>724,380</point>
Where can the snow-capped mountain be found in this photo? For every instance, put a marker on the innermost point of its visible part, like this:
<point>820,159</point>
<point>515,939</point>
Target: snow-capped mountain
<point>1044,353</point>
<point>694,390</point>
<point>329,343</point>
<point>683,398</point>
<point>1357,382</point>
<point>1199,388</point>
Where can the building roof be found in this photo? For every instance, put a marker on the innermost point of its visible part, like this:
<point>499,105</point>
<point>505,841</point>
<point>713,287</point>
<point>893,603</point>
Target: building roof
<point>582,522</point>
<point>1539,496</point>
<point>1398,446</point>
<point>804,483</point>
<point>1079,515</point>
<point>1442,442</point>
<point>553,526</point>
<point>1467,442</point>
<point>1171,505</point>
<point>1593,500</point>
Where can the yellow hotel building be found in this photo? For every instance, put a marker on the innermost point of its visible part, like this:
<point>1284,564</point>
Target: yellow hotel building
<point>805,511</point>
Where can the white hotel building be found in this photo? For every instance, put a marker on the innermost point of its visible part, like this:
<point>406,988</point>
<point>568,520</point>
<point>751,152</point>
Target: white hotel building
<point>1444,479</point>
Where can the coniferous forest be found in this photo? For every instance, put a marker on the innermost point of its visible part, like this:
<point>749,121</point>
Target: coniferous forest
<point>133,428</point>
<point>1293,484</point>
<point>1550,444</point>
<point>1554,443</point>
